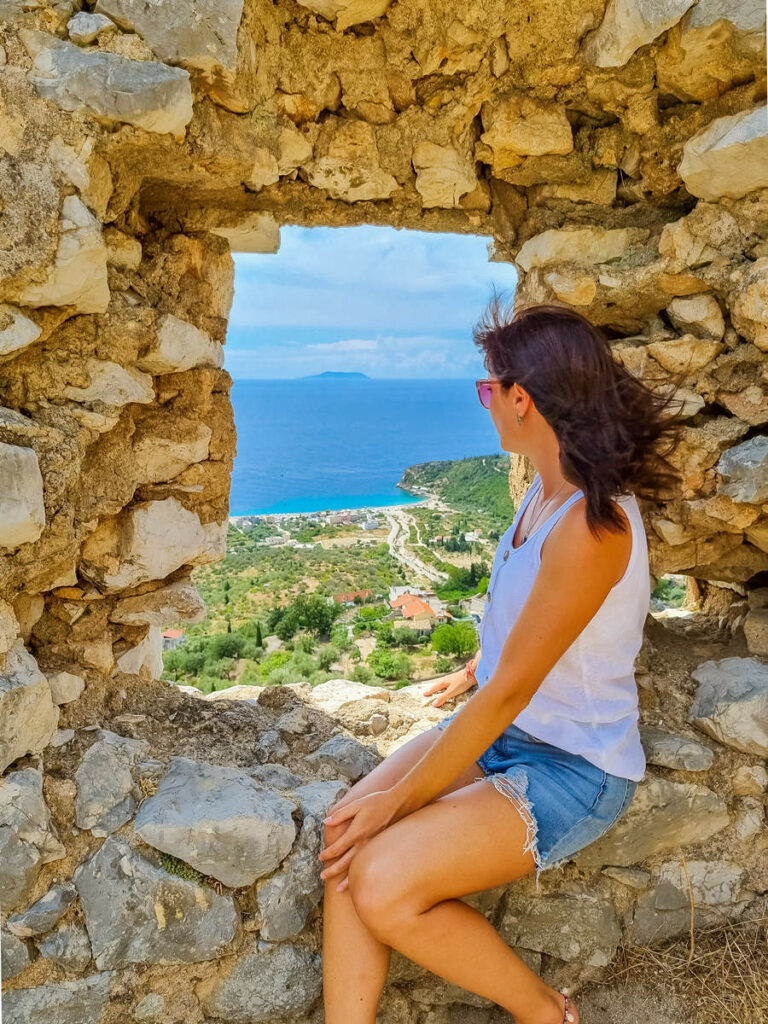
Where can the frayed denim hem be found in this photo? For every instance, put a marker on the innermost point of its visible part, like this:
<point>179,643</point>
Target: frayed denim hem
<point>514,784</point>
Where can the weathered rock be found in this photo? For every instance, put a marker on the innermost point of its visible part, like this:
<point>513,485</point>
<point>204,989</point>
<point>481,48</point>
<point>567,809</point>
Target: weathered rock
<point>28,715</point>
<point>750,819</point>
<point>65,686</point>
<point>14,956</point>
<point>632,877</point>
<point>16,330</point>
<point>698,313</point>
<point>179,346</point>
<point>196,33</point>
<point>443,176</point>
<point>672,751</point>
<point>106,792</point>
<point>111,88</point>
<point>85,28</point>
<point>146,658</point>
<point>347,12</point>
<point>628,25</point>
<point>750,780</point>
<point>69,947</point>
<point>150,1006</point>
<point>729,157</point>
<point>288,897</point>
<point>749,311</point>
<point>219,820</point>
<point>347,164</point>
<point>22,509</point>
<point>663,816</point>
<point>516,126</point>
<point>731,703</point>
<point>756,631</point>
<point>44,913</point>
<point>336,695</point>
<point>27,839</point>
<point>112,384</point>
<point>267,982</point>
<point>665,910</point>
<point>745,468</point>
<point>148,543</point>
<point>578,245</point>
<point>579,926</point>
<point>78,276</point>
<point>344,756</point>
<point>62,1002</point>
<point>136,913</point>
<point>179,601</point>
<point>253,232</point>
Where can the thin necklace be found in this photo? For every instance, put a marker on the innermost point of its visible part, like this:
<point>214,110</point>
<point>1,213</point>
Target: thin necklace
<point>528,532</point>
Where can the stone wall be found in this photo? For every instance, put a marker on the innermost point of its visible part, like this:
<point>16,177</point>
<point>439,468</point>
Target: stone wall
<point>617,154</point>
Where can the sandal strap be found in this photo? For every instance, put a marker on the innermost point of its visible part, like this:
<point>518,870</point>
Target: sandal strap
<point>567,1015</point>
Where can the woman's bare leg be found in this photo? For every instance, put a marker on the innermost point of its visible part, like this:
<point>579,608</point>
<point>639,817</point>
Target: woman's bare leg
<point>355,964</point>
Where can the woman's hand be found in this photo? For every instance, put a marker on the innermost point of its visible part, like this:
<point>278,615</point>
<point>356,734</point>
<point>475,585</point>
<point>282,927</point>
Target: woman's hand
<point>451,685</point>
<point>367,816</point>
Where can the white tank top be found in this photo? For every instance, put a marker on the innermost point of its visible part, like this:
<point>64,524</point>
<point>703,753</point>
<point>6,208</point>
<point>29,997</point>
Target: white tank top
<point>587,703</point>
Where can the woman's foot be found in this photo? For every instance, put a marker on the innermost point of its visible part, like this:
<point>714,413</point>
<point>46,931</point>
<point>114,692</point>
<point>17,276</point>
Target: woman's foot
<point>570,1014</point>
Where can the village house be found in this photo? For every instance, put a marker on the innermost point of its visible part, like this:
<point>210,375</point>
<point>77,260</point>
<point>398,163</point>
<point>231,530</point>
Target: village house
<point>172,638</point>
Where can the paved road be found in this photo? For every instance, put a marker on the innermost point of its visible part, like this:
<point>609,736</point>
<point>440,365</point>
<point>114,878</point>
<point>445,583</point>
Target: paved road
<point>400,524</point>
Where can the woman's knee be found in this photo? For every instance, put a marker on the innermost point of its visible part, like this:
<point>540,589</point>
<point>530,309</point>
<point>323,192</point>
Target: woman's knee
<point>373,892</point>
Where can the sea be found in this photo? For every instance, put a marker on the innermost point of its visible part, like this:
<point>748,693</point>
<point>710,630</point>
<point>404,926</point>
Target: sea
<point>308,445</point>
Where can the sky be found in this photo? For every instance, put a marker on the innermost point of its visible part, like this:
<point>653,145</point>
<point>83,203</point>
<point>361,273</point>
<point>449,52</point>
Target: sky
<point>385,302</point>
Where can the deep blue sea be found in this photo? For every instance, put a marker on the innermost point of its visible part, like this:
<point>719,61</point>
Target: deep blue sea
<point>309,445</point>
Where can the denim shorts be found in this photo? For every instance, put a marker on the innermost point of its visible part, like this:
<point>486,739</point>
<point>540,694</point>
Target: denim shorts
<point>565,801</point>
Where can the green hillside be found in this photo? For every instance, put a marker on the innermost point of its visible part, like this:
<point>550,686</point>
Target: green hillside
<point>477,484</point>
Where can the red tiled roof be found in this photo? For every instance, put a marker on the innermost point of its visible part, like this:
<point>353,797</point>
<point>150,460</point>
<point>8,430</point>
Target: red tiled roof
<point>173,634</point>
<point>350,595</point>
<point>415,608</point>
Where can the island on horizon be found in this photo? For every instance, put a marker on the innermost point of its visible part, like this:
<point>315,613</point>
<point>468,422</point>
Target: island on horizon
<point>335,374</point>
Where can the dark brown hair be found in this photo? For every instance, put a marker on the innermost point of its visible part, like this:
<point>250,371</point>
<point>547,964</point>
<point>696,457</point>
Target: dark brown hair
<point>613,430</point>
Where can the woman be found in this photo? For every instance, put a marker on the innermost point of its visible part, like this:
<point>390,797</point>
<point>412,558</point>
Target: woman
<point>553,725</point>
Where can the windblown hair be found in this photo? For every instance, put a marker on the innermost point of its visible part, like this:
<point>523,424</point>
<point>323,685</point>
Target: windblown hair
<point>614,431</point>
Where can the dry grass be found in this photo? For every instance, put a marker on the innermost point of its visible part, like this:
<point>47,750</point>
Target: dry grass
<point>722,977</point>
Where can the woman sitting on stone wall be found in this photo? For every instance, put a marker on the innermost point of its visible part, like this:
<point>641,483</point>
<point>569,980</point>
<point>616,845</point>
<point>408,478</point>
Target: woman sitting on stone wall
<point>553,725</point>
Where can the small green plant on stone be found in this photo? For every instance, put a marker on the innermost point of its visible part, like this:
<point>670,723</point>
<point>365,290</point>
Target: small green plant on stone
<point>174,866</point>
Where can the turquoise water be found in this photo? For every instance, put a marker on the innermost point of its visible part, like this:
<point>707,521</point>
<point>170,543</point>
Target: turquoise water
<point>310,445</point>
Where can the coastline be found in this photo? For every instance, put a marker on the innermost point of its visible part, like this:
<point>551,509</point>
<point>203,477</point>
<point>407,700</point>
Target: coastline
<point>372,509</point>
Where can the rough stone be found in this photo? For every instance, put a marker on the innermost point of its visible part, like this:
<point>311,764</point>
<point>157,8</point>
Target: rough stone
<point>16,330</point>
<point>698,313</point>
<point>62,1002</point>
<point>85,27</point>
<point>112,384</point>
<point>27,839</point>
<point>69,947</point>
<point>347,165</point>
<point>218,820</point>
<point>344,755</point>
<point>672,751</point>
<point>65,686</point>
<point>179,601</point>
<point>145,659</point>
<point>593,245</point>
<point>729,157</point>
<point>577,926</point>
<point>22,508</point>
<point>106,792</point>
<point>137,913</point>
<point>28,715</point>
<point>731,703</point>
<point>44,913</point>
<point>14,956</point>
<point>628,25</point>
<point>756,631</point>
<point>179,346</point>
<point>442,175</point>
<point>745,468</point>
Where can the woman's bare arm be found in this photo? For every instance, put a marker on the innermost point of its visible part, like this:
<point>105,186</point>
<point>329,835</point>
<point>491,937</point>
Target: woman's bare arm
<point>576,573</point>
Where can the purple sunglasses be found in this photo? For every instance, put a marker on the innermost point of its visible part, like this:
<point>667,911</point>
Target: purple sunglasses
<point>484,390</point>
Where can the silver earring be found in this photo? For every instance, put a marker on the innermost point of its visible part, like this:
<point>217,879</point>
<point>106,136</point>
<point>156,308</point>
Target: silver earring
<point>519,418</point>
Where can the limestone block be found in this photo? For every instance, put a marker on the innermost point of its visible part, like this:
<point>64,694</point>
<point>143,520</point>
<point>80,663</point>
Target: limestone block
<point>750,819</point>
<point>758,534</point>
<point>146,658</point>
<point>65,686</point>
<point>148,542</point>
<point>672,751</point>
<point>179,346</point>
<point>578,926</point>
<point>123,251</point>
<point>336,696</point>
<point>288,897</point>
<point>28,716</point>
<point>113,385</point>
<point>345,757</point>
<point>22,509</point>
<point>150,1006</point>
<point>698,313</point>
<point>69,947</point>
<point>749,308</point>
<point>689,352</point>
<point>516,126</point>
<point>664,911</point>
<point>347,12</point>
<point>137,913</point>
<point>159,458</point>
<point>663,816</point>
<point>27,839</point>
<point>78,276</point>
<point>180,601</point>
<point>717,45</point>
<point>111,88</point>
<point>599,188</point>
<point>44,913</point>
<point>756,631</point>
<point>219,820</point>
<point>196,33</point>
<point>572,287</point>
<point>16,330</point>
<point>729,157</point>
<point>65,1002</point>
<point>14,956</point>
<point>252,232</point>
<point>106,794</point>
<point>745,469</point>
<point>731,703</point>
<point>708,232</point>
<point>443,176</point>
<point>347,165</point>
<point>628,25</point>
<point>268,982</point>
<point>750,780</point>
<point>584,246</point>
<point>85,28</point>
